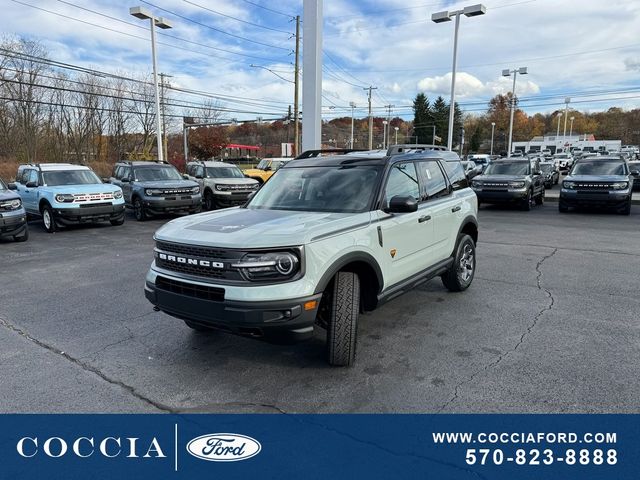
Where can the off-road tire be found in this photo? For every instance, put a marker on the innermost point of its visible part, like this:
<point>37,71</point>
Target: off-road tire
<point>209,201</point>
<point>562,208</point>
<point>461,272</point>
<point>525,204</point>
<point>626,210</point>
<point>138,210</point>
<point>22,238</point>
<point>117,222</point>
<point>343,319</point>
<point>540,198</point>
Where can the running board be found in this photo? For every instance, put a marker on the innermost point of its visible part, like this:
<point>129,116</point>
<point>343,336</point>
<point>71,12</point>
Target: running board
<point>414,280</point>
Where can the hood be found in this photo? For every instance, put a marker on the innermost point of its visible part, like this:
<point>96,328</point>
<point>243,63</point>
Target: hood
<point>596,178</point>
<point>249,228</point>
<point>168,184</point>
<point>255,171</point>
<point>234,181</point>
<point>93,188</point>
<point>8,195</point>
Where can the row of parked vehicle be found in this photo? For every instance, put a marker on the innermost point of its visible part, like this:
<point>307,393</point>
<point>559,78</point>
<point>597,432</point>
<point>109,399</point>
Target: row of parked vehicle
<point>64,194</point>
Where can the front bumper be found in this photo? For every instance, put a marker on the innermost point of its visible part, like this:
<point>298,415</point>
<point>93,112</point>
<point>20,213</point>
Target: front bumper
<point>281,320</point>
<point>231,199</point>
<point>13,223</point>
<point>89,213</point>
<point>177,204</point>
<point>506,196</point>
<point>577,198</point>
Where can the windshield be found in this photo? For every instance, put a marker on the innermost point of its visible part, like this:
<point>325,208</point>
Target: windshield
<point>599,168</point>
<point>546,167</point>
<point>156,174</point>
<point>508,168</point>
<point>263,164</point>
<point>70,177</point>
<point>336,189</point>
<point>224,172</point>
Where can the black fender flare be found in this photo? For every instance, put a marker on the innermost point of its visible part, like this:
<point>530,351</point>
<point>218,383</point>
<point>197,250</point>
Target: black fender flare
<point>466,221</point>
<point>351,257</point>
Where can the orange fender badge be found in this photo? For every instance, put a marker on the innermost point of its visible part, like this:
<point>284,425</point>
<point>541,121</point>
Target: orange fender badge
<point>393,253</point>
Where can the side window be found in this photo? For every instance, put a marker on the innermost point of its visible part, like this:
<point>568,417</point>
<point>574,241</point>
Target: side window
<point>434,181</point>
<point>117,173</point>
<point>190,170</point>
<point>455,172</point>
<point>24,178</point>
<point>199,171</point>
<point>125,172</point>
<point>403,181</point>
<point>33,176</point>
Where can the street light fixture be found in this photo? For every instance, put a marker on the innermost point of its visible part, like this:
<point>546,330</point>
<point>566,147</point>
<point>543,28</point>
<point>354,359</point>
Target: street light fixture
<point>353,106</point>
<point>446,16</point>
<point>507,73</point>
<point>493,128</point>
<point>145,14</point>
<point>567,101</point>
<point>559,115</point>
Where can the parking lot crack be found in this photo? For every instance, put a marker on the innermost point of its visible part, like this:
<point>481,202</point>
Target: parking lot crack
<point>85,366</point>
<point>530,327</point>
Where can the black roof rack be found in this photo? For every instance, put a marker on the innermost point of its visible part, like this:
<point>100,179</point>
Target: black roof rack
<point>403,148</point>
<point>326,151</point>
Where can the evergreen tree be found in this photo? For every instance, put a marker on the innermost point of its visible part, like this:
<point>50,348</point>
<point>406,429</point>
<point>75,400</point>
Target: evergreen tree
<point>440,111</point>
<point>476,139</point>
<point>422,119</point>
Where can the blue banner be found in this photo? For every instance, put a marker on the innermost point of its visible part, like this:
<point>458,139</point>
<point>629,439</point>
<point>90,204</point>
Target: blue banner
<point>319,446</point>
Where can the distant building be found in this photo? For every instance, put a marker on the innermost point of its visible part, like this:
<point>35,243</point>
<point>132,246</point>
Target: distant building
<point>565,143</point>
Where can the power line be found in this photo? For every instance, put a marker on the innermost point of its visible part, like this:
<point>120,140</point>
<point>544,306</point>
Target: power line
<point>235,18</point>
<point>269,9</point>
<point>213,28</point>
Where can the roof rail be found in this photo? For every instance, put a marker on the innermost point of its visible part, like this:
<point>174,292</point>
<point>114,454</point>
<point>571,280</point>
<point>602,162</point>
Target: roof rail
<point>325,151</point>
<point>403,148</point>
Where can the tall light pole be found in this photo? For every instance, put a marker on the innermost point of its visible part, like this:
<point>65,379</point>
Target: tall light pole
<point>384,134</point>
<point>493,128</point>
<point>445,16</point>
<point>571,128</point>
<point>567,101</point>
<point>558,132</point>
<point>396,129</point>
<point>353,106</point>
<point>507,73</point>
<point>144,14</point>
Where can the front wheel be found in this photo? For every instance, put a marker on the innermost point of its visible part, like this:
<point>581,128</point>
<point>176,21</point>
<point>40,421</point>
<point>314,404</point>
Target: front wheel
<point>139,211</point>
<point>344,306</point>
<point>525,203</point>
<point>209,201</point>
<point>540,198</point>
<point>24,237</point>
<point>562,208</point>
<point>48,219</point>
<point>461,272</point>
<point>626,210</point>
<point>117,222</point>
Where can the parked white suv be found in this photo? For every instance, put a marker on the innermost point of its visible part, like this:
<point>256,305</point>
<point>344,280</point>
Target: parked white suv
<point>323,240</point>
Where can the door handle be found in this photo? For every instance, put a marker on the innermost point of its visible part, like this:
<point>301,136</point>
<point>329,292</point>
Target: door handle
<point>425,218</point>
<point>457,208</point>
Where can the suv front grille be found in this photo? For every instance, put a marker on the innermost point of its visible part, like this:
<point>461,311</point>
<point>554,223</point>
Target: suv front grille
<point>594,186</point>
<point>176,191</point>
<point>213,294</point>
<point>206,262</point>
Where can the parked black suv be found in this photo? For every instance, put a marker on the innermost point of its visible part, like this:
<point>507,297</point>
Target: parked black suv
<point>153,188</point>
<point>598,182</point>
<point>511,180</point>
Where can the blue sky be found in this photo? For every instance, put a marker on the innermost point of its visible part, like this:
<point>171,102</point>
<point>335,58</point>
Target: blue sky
<point>589,49</point>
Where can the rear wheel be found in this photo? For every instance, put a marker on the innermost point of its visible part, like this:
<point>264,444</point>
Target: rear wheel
<point>460,274</point>
<point>344,298</point>
<point>48,219</point>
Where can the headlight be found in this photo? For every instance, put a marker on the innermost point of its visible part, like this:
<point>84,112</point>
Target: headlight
<point>516,184</point>
<point>569,185</point>
<point>257,267</point>
<point>64,198</point>
<point>11,204</point>
<point>195,190</point>
<point>152,191</point>
<point>117,194</point>
<point>620,185</point>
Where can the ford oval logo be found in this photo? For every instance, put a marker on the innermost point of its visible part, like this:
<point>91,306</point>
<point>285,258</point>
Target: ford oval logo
<point>224,447</point>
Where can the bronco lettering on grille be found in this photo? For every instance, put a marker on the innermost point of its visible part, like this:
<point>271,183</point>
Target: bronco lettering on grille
<point>189,261</point>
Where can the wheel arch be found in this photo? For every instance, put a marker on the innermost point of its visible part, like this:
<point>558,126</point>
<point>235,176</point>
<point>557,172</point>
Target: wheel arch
<point>367,269</point>
<point>469,226</point>
<point>42,203</point>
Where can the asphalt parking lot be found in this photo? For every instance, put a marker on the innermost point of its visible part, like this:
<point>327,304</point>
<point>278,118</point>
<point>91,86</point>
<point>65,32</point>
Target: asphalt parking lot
<point>550,324</point>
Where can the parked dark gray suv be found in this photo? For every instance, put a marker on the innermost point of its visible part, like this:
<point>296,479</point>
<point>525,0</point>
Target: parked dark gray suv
<point>511,180</point>
<point>598,182</point>
<point>13,218</point>
<point>153,188</point>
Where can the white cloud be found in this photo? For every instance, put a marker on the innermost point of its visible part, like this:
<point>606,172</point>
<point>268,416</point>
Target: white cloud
<point>469,86</point>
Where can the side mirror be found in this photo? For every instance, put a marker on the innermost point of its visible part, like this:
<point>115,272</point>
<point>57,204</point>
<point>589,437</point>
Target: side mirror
<point>267,168</point>
<point>124,180</point>
<point>635,173</point>
<point>106,180</point>
<point>199,177</point>
<point>402,204</point>
<point>185,176</point>
<point>31,184</point>
<point>12,186</point>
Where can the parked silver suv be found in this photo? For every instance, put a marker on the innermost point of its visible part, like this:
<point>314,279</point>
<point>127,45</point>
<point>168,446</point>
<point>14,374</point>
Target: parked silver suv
<point>222,184</point>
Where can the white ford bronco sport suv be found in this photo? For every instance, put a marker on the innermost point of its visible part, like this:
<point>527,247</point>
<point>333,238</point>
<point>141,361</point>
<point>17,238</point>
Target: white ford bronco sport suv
<point>322,241</point>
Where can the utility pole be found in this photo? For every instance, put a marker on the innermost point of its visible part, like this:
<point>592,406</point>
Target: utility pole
<point>370,88</point>
<point>165,149</point>
<point>388,126</point>
<point>296,82</point>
